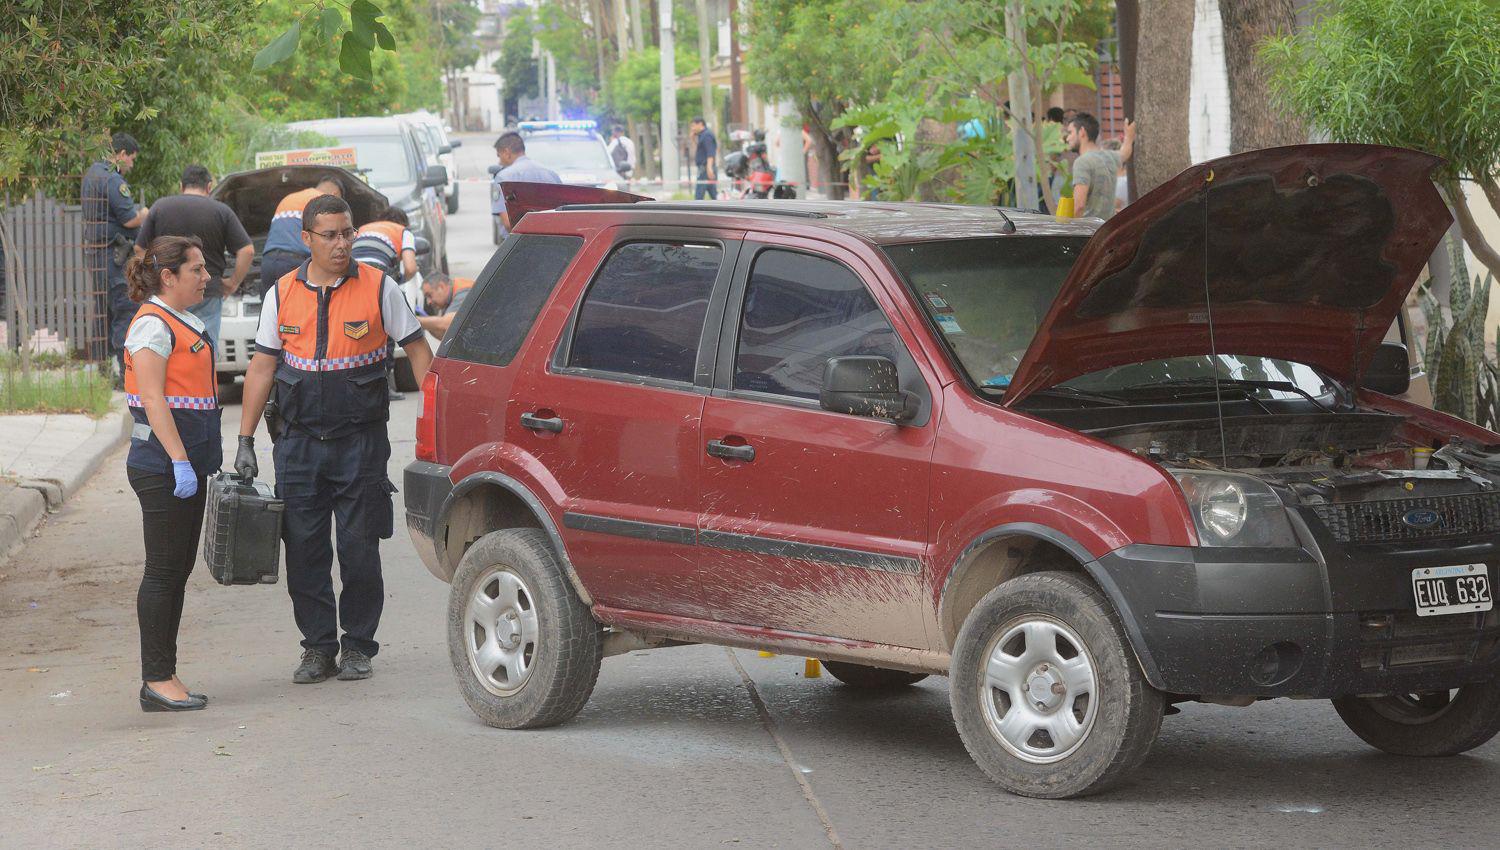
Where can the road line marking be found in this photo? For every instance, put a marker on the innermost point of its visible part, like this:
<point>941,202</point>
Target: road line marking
<point>786,752</point>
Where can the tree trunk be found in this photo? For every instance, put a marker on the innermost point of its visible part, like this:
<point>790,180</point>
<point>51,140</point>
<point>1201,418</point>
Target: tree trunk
<point>826,147</point>
<point>1164,53</point>
<point>1255,122</point>
<point>1127,27</point>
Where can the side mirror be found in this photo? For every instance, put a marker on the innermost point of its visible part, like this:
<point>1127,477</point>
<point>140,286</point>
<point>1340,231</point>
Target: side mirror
<point>455,143</point>
<point>445,149</point>
<point>436,175</point>
<point>866,386</point>
<point>423,246</point>
<point>493,169</point>
<point>1389,371</point>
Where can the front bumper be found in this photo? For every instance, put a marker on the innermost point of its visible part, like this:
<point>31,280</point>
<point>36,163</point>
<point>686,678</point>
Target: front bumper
<point>1320,621</point>
<point>427,486</point>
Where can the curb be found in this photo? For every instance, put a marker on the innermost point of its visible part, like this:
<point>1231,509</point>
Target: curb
<point>22,509</point>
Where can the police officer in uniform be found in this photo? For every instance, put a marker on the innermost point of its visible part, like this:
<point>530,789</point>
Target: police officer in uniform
<point>111,218</point>
<point>322,345</point>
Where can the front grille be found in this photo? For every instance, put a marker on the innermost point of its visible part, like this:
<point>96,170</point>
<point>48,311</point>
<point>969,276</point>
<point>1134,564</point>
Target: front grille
<point>1400,640</point>
<point>1385,520</point>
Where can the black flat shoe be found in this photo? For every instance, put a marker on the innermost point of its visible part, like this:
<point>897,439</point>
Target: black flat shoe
<point>153,701</point>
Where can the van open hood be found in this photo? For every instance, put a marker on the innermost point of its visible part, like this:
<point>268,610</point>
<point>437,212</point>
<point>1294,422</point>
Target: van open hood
<point>253,195</point>
<point>1303,253</point>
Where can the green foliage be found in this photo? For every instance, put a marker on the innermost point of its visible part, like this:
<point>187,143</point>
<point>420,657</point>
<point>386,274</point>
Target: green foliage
<point>516,66</point>
<point>634,89</point>
<point>1464,376</point>
<point>52,385</point>
<point>1421,74</point>
<point>366,30</point>
<point>456,22</point>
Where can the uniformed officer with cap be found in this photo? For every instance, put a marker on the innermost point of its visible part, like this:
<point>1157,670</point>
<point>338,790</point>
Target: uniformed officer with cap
<point>322,345</point>
<point>111,218</point>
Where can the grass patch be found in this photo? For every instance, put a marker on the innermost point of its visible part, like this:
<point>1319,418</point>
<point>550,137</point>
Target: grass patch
<point>55,388</point>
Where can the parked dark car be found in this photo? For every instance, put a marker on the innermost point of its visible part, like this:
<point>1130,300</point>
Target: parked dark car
<point>1087,474</point>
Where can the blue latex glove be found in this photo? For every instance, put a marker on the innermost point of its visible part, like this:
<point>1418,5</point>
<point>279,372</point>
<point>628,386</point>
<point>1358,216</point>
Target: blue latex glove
<point>187,479</point>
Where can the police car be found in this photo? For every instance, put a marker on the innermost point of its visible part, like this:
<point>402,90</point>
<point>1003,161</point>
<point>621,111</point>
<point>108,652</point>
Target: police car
<point>574,149</point>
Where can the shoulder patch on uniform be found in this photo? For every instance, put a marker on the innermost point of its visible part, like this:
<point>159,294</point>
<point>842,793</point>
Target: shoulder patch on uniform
<point>125,188</point>
<point>357,330</point>
<point>290,329</point>
<point>198,346</point>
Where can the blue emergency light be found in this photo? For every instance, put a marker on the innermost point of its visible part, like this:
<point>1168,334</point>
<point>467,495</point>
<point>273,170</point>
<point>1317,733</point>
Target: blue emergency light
<point>537,126</point>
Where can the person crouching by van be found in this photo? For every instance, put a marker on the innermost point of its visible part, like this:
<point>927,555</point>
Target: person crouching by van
<point>388,245</point>
<point>171,390</point>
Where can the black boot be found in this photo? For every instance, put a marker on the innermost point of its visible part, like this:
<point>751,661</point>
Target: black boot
<point>315,667</point>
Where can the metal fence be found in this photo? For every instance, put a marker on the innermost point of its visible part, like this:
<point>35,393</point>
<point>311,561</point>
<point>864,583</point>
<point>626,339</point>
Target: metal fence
<point>53,295</point>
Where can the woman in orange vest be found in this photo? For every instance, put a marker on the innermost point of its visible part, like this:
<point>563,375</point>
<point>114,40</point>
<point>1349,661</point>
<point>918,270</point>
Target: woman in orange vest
<point>171,391</point>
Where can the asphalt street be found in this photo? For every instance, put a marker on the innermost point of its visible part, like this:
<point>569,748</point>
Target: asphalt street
<point>683,748</point>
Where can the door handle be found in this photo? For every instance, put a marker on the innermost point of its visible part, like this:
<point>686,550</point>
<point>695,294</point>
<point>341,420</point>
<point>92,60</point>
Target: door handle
<point>718,448</point>
<point>533,422</point>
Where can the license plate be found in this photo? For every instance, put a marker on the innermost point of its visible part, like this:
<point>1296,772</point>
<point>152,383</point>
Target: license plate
<point>1460,589</point>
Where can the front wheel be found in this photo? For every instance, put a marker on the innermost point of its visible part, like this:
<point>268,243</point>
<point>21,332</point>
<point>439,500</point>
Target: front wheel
<point>1437,723</point>
<point>453,201</point>
<point>525,648</point>
<point>1046,693</point>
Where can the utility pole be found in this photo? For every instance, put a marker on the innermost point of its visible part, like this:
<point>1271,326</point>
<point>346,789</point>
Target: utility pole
<point>793,166</point>
<point>705,68</point>
<point>669,140</point>
<point>637,28</point>
<point>737,111</point>
<point>554,111</point>
<point>1020,111</point>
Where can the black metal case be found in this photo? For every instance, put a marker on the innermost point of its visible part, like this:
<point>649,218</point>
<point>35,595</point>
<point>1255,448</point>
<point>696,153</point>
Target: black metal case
<point>242,531</point>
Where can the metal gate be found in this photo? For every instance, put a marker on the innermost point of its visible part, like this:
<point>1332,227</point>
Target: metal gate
<point>49,281</point>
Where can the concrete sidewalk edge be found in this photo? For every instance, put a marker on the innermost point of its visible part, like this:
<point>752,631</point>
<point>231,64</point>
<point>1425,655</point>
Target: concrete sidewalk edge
<point>23,508</point>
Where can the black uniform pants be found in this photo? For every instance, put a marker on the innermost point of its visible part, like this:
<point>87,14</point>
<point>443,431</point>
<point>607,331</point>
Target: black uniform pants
<point>171,526</point>
<point>274,266</point>
<point>340,480</point>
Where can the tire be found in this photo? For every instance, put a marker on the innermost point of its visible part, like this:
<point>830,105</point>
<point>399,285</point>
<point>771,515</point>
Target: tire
<point>453,201</point>
<point>867,678</point>
<point>1441,723</point>
<point>1047,622</point>
<point>553,636</point>
<point>406,380</point>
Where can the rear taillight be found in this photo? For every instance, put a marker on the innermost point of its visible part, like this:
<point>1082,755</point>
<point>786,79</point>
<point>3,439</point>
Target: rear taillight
<point>427,421</point>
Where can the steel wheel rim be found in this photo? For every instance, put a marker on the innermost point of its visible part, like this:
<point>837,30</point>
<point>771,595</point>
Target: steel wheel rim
<point>1414,709</point>
<point>1038,659</point>
<point>501,637</point>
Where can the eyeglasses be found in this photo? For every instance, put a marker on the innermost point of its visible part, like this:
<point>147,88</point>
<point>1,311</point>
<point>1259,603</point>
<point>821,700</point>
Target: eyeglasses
<point>346,235</point>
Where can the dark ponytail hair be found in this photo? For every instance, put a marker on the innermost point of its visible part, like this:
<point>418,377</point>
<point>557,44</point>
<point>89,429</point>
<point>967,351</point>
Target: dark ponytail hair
<point>143,273</point>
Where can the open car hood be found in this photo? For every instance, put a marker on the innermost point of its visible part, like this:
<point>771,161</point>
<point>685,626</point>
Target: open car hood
<point>1303,253</point>
<point>522,198</point>
<point>253,195</point>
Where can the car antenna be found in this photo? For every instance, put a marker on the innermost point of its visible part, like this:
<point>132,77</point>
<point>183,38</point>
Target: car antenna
<point>1009,226</point>
<point>1213,347</point>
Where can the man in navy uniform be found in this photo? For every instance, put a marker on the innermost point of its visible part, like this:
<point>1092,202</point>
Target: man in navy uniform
<point>111,218</point>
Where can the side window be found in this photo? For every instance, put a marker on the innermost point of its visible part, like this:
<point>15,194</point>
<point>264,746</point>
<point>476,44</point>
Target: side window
<point>799,311</point>
<point>499,312</point>
<point>643,315</point>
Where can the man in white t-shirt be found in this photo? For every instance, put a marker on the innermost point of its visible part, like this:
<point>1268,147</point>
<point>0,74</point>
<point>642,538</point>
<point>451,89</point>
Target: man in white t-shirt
<point>621,151</point>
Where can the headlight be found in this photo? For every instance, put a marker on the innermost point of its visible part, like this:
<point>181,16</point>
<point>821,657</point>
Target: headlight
<point>230,308</point>
<point>1235,510</point>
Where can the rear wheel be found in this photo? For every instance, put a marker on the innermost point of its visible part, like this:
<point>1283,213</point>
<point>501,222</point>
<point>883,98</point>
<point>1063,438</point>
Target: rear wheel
<point>868,678</point>
<point>1046,693</point>
<point>524,647</point>
<point>1436,723</point>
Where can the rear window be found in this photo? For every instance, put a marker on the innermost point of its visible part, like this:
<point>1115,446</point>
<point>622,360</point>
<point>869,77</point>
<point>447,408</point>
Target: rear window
<point>496,317</point>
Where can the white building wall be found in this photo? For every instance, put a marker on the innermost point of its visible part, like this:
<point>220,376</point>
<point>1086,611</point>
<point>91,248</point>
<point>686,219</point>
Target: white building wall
<point>1208,93</point>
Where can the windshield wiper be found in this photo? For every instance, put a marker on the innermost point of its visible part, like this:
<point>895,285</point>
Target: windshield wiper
<point>1234,383</point>
<point>1082,395</point>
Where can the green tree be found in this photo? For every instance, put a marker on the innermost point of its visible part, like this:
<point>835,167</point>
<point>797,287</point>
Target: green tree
<point>1421,74</point>
<point>634,89</point>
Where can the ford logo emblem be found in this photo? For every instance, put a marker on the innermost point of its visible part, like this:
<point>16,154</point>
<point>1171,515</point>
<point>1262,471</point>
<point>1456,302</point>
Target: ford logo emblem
<point>1421,518</point>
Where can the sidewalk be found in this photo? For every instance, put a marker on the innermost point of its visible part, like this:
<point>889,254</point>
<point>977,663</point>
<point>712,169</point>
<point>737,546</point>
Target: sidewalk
<point>45,458</point>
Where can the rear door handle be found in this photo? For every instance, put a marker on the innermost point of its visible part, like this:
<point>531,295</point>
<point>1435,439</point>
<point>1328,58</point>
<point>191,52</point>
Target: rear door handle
<point>534,422</point>
<point>718,448</point>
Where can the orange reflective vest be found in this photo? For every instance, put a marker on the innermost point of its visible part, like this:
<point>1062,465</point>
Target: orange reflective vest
<point>379,244</point>
<point>285,233</point>
<point>192,396</point>
<point>331,378</point>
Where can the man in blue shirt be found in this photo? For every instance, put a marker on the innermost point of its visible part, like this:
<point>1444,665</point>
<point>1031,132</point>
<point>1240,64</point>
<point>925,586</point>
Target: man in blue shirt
<point>516,166</point>
<point>111,218</point>
<point>704,157</point>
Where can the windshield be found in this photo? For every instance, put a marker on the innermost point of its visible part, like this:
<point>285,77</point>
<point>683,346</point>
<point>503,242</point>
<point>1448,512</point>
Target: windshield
<point>382,159</point>
<point>989,296</point>
<point>578,154</point>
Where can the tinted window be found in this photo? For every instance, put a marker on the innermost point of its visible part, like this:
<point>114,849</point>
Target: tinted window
<point>644,313</point>
<point>799,311</point>
<point>496,316</point>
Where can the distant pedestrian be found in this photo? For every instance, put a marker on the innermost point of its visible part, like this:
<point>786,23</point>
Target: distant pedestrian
<point>284,248</point>
<point>110,218</point>
<point>1096,168</point>
<point>193,213</point>
<point>621,152</point>
<point>174,446</point>
<point>705,158</point>
<point>516,166</point>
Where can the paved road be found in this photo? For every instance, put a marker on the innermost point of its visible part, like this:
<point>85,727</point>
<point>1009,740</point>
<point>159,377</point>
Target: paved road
<point>672,751</point>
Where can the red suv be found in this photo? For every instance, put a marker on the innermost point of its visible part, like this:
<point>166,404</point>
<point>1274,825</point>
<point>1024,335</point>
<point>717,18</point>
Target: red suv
<point>1087,471</point>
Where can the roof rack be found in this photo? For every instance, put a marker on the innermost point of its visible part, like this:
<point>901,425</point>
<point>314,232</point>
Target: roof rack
<point>657,206</point>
